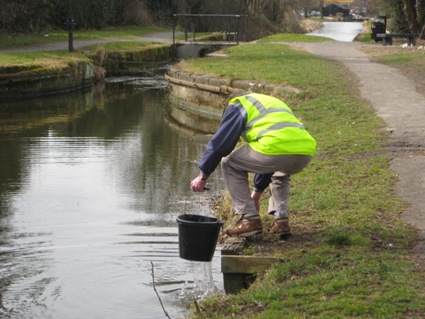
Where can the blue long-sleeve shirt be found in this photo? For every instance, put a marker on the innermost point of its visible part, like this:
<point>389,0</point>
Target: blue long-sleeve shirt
<point>224,141</point>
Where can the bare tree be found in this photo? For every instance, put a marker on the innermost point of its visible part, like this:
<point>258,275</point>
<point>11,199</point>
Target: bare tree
<point>306,6</point>
<point>411,14</point>
<point>24,15</point>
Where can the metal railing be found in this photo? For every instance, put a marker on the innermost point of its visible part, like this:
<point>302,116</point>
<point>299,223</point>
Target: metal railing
<point>230,24</point>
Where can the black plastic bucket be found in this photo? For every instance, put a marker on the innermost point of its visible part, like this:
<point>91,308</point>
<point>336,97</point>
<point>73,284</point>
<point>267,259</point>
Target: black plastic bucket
<point>198,236</point>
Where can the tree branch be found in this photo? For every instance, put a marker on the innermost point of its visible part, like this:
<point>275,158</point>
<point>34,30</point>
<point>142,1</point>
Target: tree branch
<point>157,294</point>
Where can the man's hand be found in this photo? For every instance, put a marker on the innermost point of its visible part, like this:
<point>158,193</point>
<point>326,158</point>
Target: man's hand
<point>198,184</point>
<point>256,197</point>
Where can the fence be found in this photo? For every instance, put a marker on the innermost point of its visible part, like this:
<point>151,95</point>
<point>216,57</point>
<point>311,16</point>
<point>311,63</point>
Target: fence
<point>230,24</point>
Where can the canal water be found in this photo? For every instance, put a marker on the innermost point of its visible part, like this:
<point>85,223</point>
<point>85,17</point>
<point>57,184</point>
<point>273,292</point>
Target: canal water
<point>90,189</point>
<point>339,31</point>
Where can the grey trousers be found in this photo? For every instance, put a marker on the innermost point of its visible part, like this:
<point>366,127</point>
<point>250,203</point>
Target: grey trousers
<point>244,160</point>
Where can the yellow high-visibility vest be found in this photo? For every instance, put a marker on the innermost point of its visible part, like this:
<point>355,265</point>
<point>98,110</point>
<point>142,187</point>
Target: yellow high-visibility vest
<point>272,128</point>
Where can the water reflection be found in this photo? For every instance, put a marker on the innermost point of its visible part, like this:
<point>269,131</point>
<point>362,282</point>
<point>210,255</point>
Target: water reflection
<point>339,31</point>
<point>90,188</point>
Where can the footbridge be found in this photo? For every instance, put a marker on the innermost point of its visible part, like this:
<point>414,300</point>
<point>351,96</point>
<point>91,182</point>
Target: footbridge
<point>223,30</point>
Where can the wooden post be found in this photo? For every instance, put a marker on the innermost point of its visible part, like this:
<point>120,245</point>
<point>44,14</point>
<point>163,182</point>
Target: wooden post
<point>239,272</point>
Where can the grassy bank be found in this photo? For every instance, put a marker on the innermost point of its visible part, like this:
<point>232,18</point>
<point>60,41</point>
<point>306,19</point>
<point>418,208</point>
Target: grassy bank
<point>122,39</point>
<point>104,54</point>
<point>349,256</point>
<point>46,60</point>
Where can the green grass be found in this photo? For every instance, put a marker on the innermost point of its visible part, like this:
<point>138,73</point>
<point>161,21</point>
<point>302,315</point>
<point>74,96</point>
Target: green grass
<point>350,256</point>
<point>63,56</point>
<point>118,33</point>
<point>414,60</point>
<point>293,37</point>
<point>365,38</point>
<point>22,40</point>
<point>269,63</point>
<point>119,46</point>
<point>46,59</point>
<point>328,284</point>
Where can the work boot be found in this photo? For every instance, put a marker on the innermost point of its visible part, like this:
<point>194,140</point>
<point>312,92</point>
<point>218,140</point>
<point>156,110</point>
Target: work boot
<point>281,227</point>
<point>248,225</point>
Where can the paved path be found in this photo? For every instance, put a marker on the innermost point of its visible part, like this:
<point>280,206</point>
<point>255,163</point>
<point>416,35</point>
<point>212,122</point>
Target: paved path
<point>397,102</point>
<point>158,37</point>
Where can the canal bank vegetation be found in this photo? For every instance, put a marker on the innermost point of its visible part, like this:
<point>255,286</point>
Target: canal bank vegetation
<point>48,60</point>
<point>111,51</point>
<point>117,51</point>
<point>117,39</point>
<point>350,253</point>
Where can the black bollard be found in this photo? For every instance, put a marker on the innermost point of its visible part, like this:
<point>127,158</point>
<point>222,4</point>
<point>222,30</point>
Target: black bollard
<point>71,24</point>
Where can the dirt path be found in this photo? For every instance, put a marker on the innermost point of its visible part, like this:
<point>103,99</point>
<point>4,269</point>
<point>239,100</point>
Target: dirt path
<point>402,107</point>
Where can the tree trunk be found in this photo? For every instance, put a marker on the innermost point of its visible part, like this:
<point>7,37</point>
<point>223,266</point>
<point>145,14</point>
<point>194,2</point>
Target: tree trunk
<point>410,13</point>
